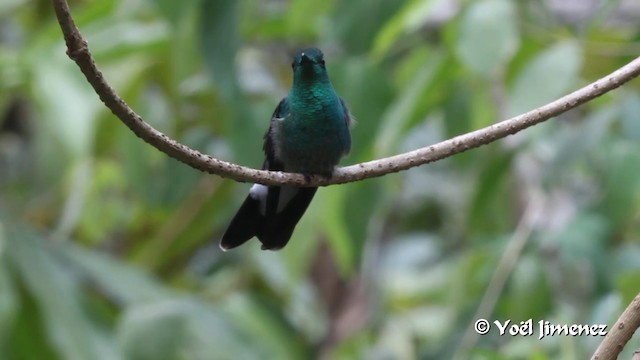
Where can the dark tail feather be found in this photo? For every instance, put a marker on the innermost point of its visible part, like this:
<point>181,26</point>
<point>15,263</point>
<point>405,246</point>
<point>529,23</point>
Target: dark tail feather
<point>277,228</point>
<point>245,224</point>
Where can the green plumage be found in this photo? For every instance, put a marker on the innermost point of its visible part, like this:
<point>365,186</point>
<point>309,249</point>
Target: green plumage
<point>308,134</point>
<point>311,130</point>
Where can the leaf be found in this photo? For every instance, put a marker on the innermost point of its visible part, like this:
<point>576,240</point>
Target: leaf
<point>180,328</point>
<point>545,78</point>
<point>53,287</point>
<point>29,326</point>
<point>488,36</point>
<point>8,301</point>
<point>574,143</point>
<point>106,188</point>
<point>409,267</point>
<point>458,110</point>
<point>360,206</point>
<point>350,77</point>
<point>411,17</point>
<point>80,178</point>
<point>355,34</point>
<point>267,328</point>
<point>629,110</point>
<point>625,258</point>
<point>607,308</point>
<point>488,209</point>
<point>580,247</point>
<point>529,293</point>
<point>333,225</point>
<point>72,105</point>
<point>134,38</point>
<point>627,284</point>
<point>302,22</point>
<point>175,10</point>
<point>219,42</point>
<point>124,283</point>
<point>583,238</point>
<point>396,119</point>
<point>153,331</point>
<point>7,6</point>
<point>620,202</point>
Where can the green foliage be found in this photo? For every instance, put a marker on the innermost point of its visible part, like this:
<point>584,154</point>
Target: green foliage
<point>108,248</point>
<point>477,24</point>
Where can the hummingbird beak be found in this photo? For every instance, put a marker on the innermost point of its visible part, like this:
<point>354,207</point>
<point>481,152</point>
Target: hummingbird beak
<point>305,58</point>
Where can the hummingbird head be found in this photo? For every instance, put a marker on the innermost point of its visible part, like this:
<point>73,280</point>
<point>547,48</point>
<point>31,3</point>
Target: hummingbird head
<point>308,63</point>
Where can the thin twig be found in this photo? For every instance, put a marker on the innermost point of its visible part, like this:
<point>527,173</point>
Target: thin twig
<point>78,50</point>
<point>502,272</point>
<point>620,333</point>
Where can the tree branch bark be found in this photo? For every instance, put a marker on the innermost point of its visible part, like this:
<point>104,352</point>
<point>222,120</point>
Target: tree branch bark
<point>620,333</point>
<point>78,51</point>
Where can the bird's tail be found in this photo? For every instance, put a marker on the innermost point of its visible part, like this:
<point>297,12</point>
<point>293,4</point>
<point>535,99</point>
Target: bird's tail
<point>278,227</point>
<point>272,222</point>
<point>244,226</point>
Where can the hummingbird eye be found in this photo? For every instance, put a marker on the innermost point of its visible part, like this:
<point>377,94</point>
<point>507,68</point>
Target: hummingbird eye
<point>322,62</point>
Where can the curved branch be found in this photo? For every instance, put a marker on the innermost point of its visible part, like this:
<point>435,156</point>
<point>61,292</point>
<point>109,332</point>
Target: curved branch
<point>78,51</point>
<point>620,333</point>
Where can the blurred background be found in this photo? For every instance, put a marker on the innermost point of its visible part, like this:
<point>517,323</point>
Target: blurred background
<point>108,248</point>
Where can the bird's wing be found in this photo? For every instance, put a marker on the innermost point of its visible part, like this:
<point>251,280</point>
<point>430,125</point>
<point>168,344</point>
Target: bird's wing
<point>271,162</point>
<point>349,121</point>
<point>274,197</point>
<point>283,205</point>
<point>249,220</point>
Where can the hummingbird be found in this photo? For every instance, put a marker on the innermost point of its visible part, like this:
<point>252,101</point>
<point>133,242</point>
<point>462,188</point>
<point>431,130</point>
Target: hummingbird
<point>309,132</point>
